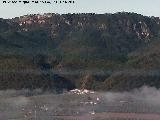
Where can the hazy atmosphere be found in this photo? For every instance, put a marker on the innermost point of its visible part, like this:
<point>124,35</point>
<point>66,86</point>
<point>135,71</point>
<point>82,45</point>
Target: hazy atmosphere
<point>145,7</point>
<point>100,63</point>
<point>143,102</point>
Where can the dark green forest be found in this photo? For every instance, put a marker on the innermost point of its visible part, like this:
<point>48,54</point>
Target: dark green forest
<point>100,52</point>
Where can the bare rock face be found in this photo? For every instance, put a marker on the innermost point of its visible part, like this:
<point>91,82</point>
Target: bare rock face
<point>134,24</point>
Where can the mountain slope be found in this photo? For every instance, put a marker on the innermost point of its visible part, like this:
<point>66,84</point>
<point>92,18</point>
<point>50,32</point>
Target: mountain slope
<point>104,47</point>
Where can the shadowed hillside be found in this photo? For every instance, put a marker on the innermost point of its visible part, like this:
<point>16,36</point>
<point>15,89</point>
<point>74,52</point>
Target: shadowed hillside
<point>97,51</point>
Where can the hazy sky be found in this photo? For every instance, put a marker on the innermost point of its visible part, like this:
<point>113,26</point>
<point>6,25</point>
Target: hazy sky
<point>145,7</point>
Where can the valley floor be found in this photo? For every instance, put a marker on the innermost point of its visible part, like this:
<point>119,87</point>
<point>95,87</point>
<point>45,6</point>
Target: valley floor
<point>73,106</point>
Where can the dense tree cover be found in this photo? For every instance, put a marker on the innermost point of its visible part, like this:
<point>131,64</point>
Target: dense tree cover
<point>58,51</point>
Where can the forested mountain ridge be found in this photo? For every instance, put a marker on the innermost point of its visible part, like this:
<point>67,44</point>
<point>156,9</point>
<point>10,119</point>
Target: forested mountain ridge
<point>116,44</point>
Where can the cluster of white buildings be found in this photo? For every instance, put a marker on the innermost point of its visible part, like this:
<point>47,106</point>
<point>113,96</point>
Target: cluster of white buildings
<point>80,92</point>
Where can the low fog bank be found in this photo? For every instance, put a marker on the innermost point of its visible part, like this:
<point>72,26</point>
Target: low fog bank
<point>147,94</point>
<point>24,103</point>
<point>23,92</point>
<point>144,93</point>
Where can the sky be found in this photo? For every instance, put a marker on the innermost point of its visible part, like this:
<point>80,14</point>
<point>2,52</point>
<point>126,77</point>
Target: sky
<point>144,7</point>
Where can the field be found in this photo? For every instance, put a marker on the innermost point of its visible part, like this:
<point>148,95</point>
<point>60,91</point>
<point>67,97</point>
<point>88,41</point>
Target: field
<point>16,105</point>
